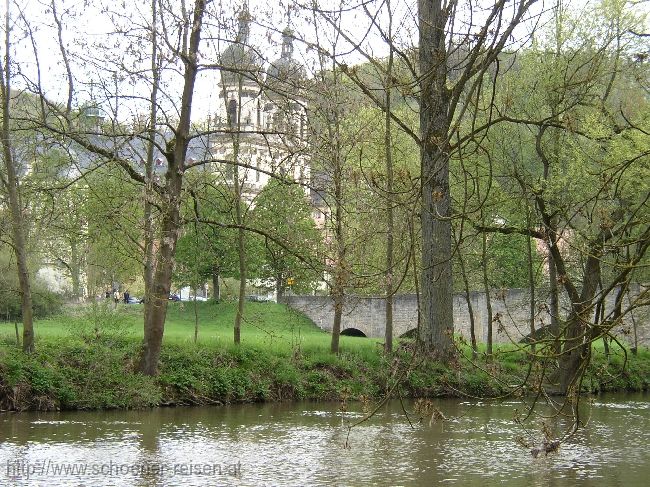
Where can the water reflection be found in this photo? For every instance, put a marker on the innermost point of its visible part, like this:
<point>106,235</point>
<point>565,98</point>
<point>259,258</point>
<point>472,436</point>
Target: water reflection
<point>304,444</point>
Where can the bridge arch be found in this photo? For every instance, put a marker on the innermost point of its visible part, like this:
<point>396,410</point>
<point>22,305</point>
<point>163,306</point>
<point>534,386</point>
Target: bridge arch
<point>353,332</point>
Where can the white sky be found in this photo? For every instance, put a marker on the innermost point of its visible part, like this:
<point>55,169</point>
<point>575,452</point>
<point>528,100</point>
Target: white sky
<point>87,23</point>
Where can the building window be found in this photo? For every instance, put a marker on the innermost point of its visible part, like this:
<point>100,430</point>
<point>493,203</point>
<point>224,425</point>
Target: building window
<point>232,112</point>
<point>278,122</point>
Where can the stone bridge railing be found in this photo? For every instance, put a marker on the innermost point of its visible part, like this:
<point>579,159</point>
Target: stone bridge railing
<point>510,310</point>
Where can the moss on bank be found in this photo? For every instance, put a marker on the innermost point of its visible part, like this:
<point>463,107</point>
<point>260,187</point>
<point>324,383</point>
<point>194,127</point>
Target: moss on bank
<point>96,376</point>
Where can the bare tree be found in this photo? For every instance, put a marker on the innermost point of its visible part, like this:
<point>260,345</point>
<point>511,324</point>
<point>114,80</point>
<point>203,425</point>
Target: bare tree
<point>123,145</point>
<point>331,155</point>
<point>10,183</point>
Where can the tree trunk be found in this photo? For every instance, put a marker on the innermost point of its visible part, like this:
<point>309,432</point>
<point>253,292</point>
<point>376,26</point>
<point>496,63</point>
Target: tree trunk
<point>11,185</point>
<point>75,270</point>
<point>340,272</point>
<point>599,319</point>
<point>390,217</point>
<point>437,305</point>
<point>338,290</point>
<point>242,277</point>
<point>390,229</point>
<point>577,346</point>
<point>554,305</point>
<point>279,287</point>
<point>573,358</point>
<point>241,247</point>
<point>156,308</point>
<point>216,289</point>
<point>196,318</point>
<point>335,160</point>
<point>148,231</point>
<point>635,331</point>
<point>488,299</point>
<point>338,297</point>
<point>470,309</point>
<point>388,336</point>
<point>531,287</point>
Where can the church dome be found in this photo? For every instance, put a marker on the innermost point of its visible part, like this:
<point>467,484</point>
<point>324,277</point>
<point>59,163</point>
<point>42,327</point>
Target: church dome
<point>240,59</point>
<point>284,75</point>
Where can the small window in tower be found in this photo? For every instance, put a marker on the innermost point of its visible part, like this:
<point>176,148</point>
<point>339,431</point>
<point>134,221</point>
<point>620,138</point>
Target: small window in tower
<point>278,122</point>
<point>232,112</point>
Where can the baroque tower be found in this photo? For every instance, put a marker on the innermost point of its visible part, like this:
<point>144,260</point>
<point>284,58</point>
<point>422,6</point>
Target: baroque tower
<point>264,115</point>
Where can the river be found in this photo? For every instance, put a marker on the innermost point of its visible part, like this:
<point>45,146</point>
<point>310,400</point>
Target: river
<point>304,444</point>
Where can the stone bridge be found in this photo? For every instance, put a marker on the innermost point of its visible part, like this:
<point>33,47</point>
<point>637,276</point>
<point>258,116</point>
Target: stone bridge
<point>365,316</point>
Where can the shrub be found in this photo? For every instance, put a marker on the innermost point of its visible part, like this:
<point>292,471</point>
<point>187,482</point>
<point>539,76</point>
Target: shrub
<point>44,302</point>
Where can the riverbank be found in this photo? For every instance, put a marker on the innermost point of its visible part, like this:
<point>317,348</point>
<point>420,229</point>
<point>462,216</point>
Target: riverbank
<point>86,360</point>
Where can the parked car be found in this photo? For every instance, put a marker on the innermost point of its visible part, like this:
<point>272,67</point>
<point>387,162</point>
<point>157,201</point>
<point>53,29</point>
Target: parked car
<point>134,300</point>
<point>174,297</point>
<point>191,298</point>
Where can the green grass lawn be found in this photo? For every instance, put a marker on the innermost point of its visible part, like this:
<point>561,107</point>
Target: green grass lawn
<point>269,326</point>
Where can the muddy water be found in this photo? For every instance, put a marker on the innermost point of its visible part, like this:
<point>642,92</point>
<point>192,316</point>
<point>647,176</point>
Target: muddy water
<point>304,444</point>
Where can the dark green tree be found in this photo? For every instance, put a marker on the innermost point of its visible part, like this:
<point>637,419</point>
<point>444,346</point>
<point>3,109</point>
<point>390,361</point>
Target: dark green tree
<point>282,210</point>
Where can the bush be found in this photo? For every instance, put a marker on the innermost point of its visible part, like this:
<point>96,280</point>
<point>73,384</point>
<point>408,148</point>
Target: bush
<point>44,303</point>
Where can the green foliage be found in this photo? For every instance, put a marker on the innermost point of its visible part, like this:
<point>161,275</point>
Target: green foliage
<point>208,245</point>
<point>44,302</point>
<point>74,369</point>
<point>291,240</point>
<point>506,262</point>
<point>113,212</point>
<point>365,199</point>
<point>103,322</point>
<point>67,374</point>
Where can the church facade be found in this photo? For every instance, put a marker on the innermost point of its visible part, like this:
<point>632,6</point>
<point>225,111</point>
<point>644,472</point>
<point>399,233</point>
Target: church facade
<point>261,122</point>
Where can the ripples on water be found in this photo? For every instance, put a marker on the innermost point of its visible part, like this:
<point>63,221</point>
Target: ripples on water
<point>304,444</point>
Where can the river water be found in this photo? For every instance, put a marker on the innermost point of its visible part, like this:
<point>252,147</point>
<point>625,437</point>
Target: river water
<point>304,444</point>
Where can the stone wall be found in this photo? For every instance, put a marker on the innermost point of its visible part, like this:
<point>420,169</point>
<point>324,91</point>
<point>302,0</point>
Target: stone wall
<point>510,311</point>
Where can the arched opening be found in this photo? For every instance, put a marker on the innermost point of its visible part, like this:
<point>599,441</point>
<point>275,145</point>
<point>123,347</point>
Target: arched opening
<point>353,332</point>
